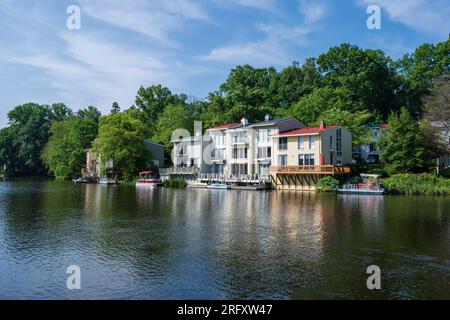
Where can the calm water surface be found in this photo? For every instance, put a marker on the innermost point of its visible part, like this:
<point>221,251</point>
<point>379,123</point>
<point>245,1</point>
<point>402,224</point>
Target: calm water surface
<point>216,244</point>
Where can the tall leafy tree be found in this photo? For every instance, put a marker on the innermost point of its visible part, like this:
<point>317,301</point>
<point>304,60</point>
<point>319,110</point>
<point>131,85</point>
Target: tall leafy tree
<point>9,155</point>
<point>403,145</point>
<point>295,81</point>
<point>174,116</point>
<point>121,138</point>
<point>90,112</point>
<point>419,70</point>
<point>64,154</point>
<point>368,75</point>
<point>152,100</point>
<point>31,123</point>
<point>310,107</point>
<point>60,111</point>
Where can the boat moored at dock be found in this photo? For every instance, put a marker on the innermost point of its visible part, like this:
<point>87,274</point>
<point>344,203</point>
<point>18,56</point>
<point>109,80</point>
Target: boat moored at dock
<point>148,179</point>
<point>369,185</point>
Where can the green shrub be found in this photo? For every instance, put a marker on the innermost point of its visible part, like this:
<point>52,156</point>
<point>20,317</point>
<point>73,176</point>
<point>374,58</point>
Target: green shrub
<point>407,183</point>
<point>175,183</point>
<point>327,184</point>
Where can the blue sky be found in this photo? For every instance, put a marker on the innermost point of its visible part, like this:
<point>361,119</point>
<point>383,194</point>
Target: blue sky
<point>187,45</point>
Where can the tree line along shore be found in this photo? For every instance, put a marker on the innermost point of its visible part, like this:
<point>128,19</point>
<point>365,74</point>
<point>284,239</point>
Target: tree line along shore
<point>346,85</point>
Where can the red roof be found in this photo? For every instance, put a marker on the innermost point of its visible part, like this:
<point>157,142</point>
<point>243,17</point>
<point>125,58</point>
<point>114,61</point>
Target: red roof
<point>226,126</point>
<point>384,126</point>
<point>307,131</point>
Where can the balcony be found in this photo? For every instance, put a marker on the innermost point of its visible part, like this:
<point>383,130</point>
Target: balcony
<point>325,169</point>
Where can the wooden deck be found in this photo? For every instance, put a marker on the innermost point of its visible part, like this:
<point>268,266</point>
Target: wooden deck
<point>319,170</point>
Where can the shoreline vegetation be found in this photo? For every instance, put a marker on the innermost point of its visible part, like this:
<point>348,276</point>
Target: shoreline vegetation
<point>417,184</point>
<point>347,85</point>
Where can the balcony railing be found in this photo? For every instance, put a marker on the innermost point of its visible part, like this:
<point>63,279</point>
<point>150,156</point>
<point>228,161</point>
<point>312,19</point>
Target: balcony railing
<point>179,170</point>
<point>324,169</point>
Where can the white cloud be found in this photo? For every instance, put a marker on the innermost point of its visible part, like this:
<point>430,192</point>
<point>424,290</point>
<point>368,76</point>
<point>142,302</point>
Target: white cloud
<point>154,19</point>
<point>270,50</point>
<point>267,5</point>
<point>426,16</point>
<point>312,11</point>
<point>99,72</point>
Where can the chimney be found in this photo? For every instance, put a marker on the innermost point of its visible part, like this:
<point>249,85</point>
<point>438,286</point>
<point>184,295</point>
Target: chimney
<point>244,122</point>
<point>267,117</point>
<point>322,124</point>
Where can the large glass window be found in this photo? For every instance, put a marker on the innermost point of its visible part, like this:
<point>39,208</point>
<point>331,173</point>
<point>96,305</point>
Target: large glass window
<point>282,160</point>
<point>282,143</point>
<point>306,159</point>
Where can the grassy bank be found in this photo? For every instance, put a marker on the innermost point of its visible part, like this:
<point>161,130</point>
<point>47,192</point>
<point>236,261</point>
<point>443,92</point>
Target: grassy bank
<point>175,184</point>
<point>426,184</point>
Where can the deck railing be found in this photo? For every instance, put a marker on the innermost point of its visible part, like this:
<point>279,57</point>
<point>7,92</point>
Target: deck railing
<point>324,169</point>
<point>179,170</point>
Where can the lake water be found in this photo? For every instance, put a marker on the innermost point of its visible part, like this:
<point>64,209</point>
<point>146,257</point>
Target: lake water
<point>215,244</point>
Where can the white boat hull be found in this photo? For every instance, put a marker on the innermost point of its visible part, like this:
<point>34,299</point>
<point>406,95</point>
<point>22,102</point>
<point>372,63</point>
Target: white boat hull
<point>148,185</point>
<point>362,191</point>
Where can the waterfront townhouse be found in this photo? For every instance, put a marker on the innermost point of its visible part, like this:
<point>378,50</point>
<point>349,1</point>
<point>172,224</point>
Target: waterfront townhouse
<point>304,155</point>
<point>244,148</point>
<point>187,154</point>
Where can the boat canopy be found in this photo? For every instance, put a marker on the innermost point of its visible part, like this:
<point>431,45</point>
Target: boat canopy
<point>145,172</point>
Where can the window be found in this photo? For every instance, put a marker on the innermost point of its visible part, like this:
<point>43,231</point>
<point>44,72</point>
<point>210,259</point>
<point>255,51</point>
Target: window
<point>219,140</point>
<point>240,137</point>
<point>239,153</point>
<point>239,168</point>
<point>312,142</point>
<point>309,159</point>
<point>282,160</point>
<point>306,159</point>
<point>282,143</point>
<point>264,135</point>
<point>301,143</point>
<point>339,143</point>
<point>264,152</point>
<point>331,142</point>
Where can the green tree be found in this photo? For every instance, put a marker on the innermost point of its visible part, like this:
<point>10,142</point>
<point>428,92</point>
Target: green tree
<point>90,113</point>
<point>174,116</point>
<point>152,100</point>
<point>356,122</point>
<point>31,123</point>
<point>403,145</point>
<point>60,111</point>
<point>115,108</point>
<point>368,75</point>
<point>419,70</point>
<point>293,82</point>
<point>64,154</point>
<point>310,107</point>
<point>121,138</point>
<point>9,159</point>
